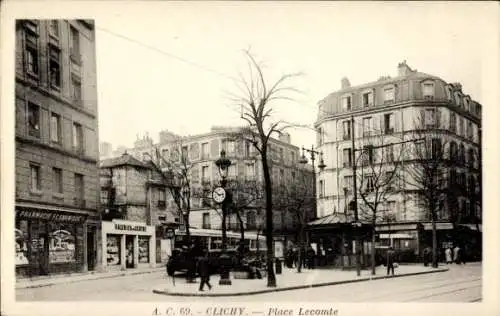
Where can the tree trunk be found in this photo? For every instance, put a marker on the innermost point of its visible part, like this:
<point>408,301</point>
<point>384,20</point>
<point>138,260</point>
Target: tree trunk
<point>242,232</point>
<point>186,224</point>
<point>373,251</point>
<point>271,277</point>
<point>301,243</point>
<point>434,245</point>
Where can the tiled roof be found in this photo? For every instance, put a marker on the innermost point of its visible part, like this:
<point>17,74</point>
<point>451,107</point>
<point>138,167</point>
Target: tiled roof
<point>123,160</point>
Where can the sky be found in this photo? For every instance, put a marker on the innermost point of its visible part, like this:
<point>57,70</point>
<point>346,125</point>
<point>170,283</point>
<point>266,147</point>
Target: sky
<point>179,74</point>
<point>142,90</point>
<point>169,65</point>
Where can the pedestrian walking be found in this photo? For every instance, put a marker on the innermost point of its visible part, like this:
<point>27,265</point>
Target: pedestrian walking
<point>426,255</point>
<point>204,271</point>
<point>457,254</point>
<point>448,255</point>
<point>390,260</point>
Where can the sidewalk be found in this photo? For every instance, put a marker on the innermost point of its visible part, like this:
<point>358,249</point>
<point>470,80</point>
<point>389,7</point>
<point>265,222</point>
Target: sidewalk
<point>288,280</point>
<point>41,281</point>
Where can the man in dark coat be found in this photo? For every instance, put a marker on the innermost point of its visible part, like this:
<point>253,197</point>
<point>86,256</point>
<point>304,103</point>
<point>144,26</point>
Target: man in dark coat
<point>390,260</point>
<point>204,271</point>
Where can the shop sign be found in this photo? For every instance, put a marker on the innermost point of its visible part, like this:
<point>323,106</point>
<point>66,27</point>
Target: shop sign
<point>50,216</point>
<point>135,228</point>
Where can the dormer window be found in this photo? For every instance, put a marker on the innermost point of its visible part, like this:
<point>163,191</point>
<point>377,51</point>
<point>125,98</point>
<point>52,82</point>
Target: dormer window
<point>347,103</point>
<point>458,99</point>
<point>467,103</point>
<point>428,90</point>
<point>389,95</point>
<point>448,93</point>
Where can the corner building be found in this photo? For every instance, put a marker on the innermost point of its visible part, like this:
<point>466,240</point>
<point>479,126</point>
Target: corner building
<point>390,110</point>
<point>57,222</point>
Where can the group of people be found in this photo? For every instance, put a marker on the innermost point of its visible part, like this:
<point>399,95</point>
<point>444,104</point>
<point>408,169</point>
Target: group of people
<point>451,255</point>
<point>306,257</point>
<point>454,255</point>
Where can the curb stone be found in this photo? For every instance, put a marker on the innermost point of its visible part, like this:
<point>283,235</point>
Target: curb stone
<point>93,276</point>
<point>296,287</point>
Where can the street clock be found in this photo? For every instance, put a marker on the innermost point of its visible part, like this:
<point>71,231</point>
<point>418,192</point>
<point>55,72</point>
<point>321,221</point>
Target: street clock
<point>219,194</point>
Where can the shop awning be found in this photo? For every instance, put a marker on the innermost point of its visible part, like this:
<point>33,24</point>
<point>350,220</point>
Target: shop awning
<point>335,218</point>
<point>395,227</point>
<point>472,226</point>
<point>439,226</point>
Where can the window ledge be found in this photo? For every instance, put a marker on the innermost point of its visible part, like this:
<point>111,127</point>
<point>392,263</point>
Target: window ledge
<point>36,192</point>
<point>58,195</point>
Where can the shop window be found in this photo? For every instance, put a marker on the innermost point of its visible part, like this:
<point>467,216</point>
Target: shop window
<point>62,243</point>
<point>144,249</point>
<point>21,235</point>
<point>113,250</point>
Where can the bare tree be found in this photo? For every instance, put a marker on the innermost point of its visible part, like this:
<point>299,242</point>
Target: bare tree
<point>175,169</point>
<point>426,173</point>
<point>378,179</point>
<point>256,97</point>
<point>297,198</point>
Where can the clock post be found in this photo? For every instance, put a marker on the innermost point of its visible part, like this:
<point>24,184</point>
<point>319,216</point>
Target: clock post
<point>222,196</point>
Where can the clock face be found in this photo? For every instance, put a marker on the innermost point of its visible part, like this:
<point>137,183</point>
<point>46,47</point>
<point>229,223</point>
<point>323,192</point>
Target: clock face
<point>219,195</point>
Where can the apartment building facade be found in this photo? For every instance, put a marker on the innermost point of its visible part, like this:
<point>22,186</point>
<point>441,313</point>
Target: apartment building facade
<point>204,149</point>
<point>56,132</point>
<point>135,213</point>
<point>388,113</point>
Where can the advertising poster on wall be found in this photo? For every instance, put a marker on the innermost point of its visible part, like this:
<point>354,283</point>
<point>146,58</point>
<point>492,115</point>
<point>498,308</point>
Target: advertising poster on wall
<point>61,247</point>
<point>21,248</point>
<point>143,249</point>
<point>113,250</point>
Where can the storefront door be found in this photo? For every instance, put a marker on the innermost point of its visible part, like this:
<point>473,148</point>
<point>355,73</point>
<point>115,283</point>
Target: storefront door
<point>40,248</point>
<point>91,250</point>
<point>129,248</point>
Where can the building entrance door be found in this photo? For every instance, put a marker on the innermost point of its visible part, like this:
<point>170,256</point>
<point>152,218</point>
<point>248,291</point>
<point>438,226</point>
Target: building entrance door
<point>129,248</point>
<point>91,249</point>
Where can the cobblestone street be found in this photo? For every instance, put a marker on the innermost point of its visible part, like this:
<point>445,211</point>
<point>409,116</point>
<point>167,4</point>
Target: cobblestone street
<point>460,284</point>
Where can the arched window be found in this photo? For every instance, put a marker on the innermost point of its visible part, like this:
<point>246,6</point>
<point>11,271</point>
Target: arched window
<point>461,154</point>
<point>453,151</point>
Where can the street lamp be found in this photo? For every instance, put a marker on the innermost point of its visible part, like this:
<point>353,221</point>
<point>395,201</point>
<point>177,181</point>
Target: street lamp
<point>223,197</point>
<point>321,166</point>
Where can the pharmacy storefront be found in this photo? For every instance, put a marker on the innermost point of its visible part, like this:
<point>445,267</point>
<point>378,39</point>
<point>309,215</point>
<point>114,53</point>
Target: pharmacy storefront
<point>128,245</point>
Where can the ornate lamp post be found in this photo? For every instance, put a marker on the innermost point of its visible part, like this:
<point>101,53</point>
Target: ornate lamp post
<point>321,166</point>
<point>223,197</point>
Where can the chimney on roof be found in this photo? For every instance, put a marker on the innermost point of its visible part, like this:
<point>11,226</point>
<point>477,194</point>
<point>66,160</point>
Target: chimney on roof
<point>403,69</point>
<point>457,86</point>
<point>344,83</point>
